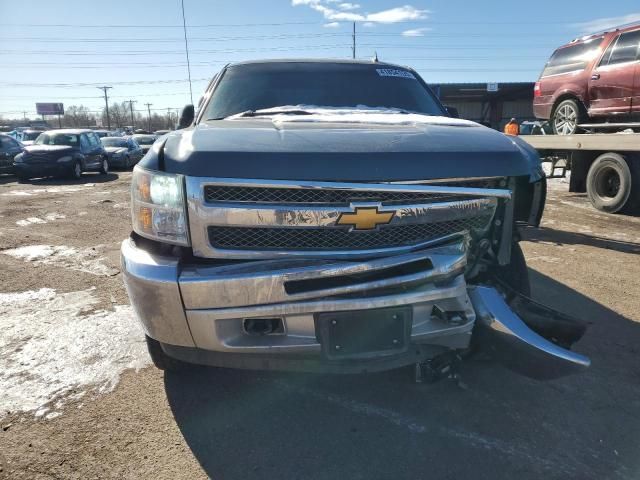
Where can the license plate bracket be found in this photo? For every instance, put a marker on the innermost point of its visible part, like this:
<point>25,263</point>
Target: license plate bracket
<point>363,334</point>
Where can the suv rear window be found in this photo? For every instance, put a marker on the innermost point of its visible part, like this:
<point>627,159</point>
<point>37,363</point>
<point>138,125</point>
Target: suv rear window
<point>572,58</point>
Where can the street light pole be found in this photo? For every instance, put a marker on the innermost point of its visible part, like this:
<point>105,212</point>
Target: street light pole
<point>186,49</point>
<point>106,104</point>
<point>149,111</point>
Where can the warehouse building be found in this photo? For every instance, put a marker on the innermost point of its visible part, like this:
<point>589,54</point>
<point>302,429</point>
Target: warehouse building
<point>492,104</point>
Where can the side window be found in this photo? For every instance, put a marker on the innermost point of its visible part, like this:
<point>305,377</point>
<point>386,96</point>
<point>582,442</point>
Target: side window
<point>626,48</point>
<point>5,146</point>
<point>607,54</point>
<point>94,140</point>
<point>85,145</point>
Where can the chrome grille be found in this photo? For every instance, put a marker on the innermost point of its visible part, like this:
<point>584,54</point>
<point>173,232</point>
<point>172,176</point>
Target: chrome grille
<point>327,196</point>
<point>320,239</point>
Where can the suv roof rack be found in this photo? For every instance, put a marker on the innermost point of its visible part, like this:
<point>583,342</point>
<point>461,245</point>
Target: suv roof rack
<point>610,29</point>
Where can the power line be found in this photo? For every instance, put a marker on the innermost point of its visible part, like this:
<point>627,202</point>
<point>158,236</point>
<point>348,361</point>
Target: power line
<point>92,84</point>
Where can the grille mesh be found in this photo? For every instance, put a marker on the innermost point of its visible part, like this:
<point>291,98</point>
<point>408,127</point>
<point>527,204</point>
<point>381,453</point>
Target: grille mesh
<point>331,238</point>
<point>326,196</point>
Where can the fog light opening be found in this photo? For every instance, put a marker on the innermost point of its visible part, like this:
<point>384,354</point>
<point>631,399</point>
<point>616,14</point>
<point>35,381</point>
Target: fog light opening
<point>263,326</point>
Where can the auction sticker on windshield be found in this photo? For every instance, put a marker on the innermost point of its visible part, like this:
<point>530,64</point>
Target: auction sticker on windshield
<point>392,72</point>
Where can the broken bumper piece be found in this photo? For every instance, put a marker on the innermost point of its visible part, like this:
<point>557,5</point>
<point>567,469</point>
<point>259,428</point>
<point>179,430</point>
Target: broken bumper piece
<point>515,344</point>
<point>332,316</point>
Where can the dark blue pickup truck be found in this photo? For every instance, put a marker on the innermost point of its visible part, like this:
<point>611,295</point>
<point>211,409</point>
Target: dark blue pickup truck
<point>332,216</point>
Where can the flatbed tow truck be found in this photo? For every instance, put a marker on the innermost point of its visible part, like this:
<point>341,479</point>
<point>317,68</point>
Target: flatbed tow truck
<point>604,165</point>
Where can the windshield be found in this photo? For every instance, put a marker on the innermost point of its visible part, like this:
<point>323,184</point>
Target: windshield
<point>267,85</point>
<point>145,139</point>
<point>58,139</point>
<point>30,135</point>
<point>114,142</point>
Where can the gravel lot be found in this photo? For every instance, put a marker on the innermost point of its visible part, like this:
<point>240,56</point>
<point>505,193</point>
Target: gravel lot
<point>79,400</point>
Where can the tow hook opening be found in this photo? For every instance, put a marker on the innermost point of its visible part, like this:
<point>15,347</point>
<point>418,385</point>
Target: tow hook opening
<point>263,326</point>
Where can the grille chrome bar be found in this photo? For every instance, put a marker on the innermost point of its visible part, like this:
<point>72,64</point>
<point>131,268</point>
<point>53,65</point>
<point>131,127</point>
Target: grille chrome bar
<point>253,229</point>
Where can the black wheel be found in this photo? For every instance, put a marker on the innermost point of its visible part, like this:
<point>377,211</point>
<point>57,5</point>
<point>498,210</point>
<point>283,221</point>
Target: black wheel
<point>161,360</point>
<point>567,116</point>
<point>76,170</point>
<point>104,166</point>
<point>22,178</point>
<point>609,183</point>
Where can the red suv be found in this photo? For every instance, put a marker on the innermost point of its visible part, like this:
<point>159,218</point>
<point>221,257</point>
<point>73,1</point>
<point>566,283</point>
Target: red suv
<point>592,79</point>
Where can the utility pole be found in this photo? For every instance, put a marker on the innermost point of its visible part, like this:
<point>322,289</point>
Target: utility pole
<point>353,39</point>
<point>186,49</point>
<point>25,116</point>
<point>169,115</point>
<point>131,102</point>
<point>106,104</point>
<point>149,111</point>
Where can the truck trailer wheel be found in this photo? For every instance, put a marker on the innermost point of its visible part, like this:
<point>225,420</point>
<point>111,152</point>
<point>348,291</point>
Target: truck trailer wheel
<point>610,183</point>
<point>161,360</point>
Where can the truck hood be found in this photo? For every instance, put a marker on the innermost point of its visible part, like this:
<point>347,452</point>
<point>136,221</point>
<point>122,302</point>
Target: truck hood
<point>338,150</point>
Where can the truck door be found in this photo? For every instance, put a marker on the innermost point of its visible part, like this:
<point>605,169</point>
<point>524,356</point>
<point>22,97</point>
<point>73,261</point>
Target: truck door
<point>611,86</point>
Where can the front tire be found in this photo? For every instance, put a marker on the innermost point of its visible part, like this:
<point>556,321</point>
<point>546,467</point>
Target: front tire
<point>610,183</point>
<point>567,116</point>
<point>76,170</point>
<point>161,360</point>
<point>104,166</point>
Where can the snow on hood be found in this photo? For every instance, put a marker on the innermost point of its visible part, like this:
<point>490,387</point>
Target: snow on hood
<point>53,344</point>
<point>358,114</point>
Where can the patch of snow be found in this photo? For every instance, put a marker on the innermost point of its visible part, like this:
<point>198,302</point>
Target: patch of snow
<point>56,189</point>
<point>82,260</point>
<point>358,114</point>
<point>51,347</point>
<point>36,220</point>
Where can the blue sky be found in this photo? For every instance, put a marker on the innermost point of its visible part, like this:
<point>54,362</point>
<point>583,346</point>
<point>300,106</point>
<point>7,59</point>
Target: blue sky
<point>49,49</point>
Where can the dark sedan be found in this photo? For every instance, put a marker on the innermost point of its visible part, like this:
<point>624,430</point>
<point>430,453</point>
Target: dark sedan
<point>145,141</point>
<point>64,152</point>
<point>9,148</point>
<point>123,152</point>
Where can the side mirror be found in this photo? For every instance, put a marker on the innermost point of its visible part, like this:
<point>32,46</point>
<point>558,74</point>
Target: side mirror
<point>452,111</point>
<point>187,115</point>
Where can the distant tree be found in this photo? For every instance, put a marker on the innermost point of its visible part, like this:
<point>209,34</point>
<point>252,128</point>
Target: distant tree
<point>78,116</point>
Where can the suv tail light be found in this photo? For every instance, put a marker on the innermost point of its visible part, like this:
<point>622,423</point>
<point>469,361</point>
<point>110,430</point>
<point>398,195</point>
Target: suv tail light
<point>536,90</point>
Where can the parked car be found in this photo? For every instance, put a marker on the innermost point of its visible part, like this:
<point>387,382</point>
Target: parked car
<point>27,137</point>
<point>9,148</point>
<point>145,141</point>
<point>535,128</point>
<point>332,216</point>
<point>65,152</point>
<point>592,79</point>
<point>103,133</point>
<point>122,151</point>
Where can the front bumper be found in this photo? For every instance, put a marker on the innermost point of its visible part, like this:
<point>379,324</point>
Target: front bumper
<point>198,312</point>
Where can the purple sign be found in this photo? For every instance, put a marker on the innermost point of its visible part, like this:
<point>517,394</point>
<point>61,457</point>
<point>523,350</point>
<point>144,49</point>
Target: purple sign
<point>50,108</point>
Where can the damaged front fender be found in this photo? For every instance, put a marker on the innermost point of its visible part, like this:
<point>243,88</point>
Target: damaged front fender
<point>516,345</point>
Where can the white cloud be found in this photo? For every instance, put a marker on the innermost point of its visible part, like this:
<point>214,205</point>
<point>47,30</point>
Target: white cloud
<point>415,32</point>
<point>348,6</point>
<point>344,12</point>
<point>398,14</point>
<point>604,23</point>
<point>332,25</point>
<point>368,24</point>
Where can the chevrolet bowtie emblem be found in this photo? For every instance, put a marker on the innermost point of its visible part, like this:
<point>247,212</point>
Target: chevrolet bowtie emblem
<point>365,218</point>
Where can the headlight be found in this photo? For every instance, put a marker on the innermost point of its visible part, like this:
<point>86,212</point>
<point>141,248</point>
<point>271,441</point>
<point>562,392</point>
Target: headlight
<point>18,158</point>
<point>158,206</point>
